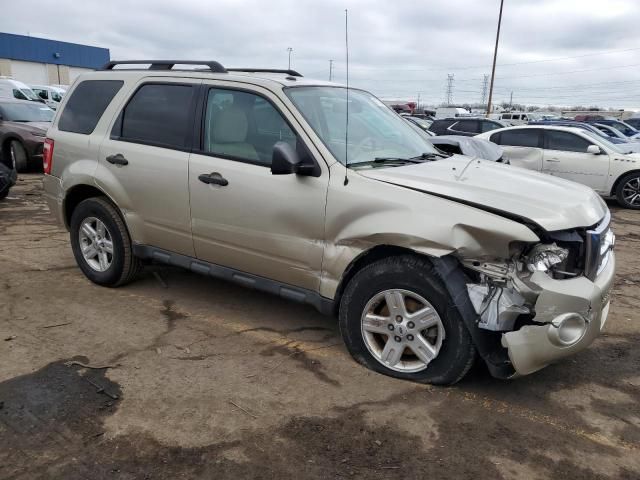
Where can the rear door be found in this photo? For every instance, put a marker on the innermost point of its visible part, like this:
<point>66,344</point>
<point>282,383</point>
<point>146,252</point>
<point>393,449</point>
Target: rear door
<point>522,147</point>
<point>250,220</point>
<point>565,155</point>
<point>144,162</point>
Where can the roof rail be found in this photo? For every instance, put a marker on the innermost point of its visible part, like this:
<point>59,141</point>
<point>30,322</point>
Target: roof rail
<point>293,73</point>
<point>167,64</point>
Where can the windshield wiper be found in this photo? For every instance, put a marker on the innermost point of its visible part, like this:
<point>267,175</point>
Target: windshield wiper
<point>396,159</point>
<point>430,156</point>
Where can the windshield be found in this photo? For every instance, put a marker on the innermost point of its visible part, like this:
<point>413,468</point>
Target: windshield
<point>25,94</point>
<point>375,131</point>
<point>616,148</point>
<point>26,112</point>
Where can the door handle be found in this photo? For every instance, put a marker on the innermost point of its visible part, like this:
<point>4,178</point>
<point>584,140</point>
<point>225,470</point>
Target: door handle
<point>214,178</point>
<point>117,159</point>
<point>554,160</point>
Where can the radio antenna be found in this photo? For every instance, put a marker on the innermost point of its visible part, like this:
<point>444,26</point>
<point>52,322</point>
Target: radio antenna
<point>346,130</point>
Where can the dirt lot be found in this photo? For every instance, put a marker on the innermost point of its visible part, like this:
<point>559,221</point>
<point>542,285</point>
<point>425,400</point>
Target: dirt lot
<point>209,380</point>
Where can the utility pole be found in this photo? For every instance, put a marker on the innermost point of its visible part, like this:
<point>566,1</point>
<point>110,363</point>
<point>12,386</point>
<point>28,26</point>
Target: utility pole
<point>485,82</point>
<point>511,101</point>
<point>495,56</point>
<point>449,89</point>
<point>418,102</point>
<point>289,49</point>
<point>330,70</point>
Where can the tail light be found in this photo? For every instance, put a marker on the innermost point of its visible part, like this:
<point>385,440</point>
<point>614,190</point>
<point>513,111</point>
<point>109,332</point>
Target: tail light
<point>47,155</point>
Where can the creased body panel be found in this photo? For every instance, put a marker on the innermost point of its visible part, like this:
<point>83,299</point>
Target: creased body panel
<point>368,213</point>
<point>552,203</point>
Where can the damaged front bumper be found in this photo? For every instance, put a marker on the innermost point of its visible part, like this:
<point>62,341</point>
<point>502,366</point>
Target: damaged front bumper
<point>572,312</point>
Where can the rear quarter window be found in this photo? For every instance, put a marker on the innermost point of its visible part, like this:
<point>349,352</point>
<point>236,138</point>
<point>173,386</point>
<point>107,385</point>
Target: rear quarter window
<point>86,105</point>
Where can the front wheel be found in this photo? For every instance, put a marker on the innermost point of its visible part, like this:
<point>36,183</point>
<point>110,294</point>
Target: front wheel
<point>396,319</point>
<point>101,244</point>
<point>628,191</point>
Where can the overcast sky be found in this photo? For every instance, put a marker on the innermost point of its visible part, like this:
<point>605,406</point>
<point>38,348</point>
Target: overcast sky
<point>562,52</point>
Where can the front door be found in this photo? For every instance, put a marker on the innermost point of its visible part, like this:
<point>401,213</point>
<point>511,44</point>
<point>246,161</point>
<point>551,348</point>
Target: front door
<point>146,163</point>
<point>246,218</point>
<point>565,155</point>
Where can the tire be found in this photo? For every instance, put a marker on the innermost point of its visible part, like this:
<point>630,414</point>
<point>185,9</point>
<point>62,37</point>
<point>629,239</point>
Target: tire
<point>628,187</point>
<point>120,267</point>
<point>410,277</point>
<point>18,159</point>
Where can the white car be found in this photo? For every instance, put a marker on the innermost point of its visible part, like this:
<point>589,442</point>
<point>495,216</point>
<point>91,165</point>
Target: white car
<point>574,154</point>
<point>52,96</point>
<point>10,88</point>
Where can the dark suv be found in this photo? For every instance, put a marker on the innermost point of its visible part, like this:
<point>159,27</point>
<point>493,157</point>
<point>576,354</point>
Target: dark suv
<point>467,127</point>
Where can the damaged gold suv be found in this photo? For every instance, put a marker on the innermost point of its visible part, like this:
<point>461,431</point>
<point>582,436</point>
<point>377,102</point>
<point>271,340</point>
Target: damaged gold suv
<point>322,194</point>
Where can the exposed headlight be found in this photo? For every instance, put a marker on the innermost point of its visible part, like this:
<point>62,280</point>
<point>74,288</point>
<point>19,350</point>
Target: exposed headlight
<point>543,257</point>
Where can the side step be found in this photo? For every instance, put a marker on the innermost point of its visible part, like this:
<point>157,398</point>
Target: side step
<point>289,292</point>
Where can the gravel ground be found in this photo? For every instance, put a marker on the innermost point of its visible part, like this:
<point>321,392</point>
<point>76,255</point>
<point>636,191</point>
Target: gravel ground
<point>202,379</point>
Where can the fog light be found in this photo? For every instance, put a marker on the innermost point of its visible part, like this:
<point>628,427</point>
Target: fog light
<point>569,328</point>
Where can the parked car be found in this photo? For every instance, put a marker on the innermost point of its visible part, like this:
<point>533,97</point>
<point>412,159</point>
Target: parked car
<point>23,127</point>
<point>574,154</point>
<point>10,88</point>
<point>634,122</point>
<point>253,177</point>
<point>611,132</point>
<point>470,146</point>
<point>52,96</point>
<point>8,179</point>
<point>464,126</point>
<point>447,112</point>
<point>629,145</point>
<point>515,118</point>
<point>623,127</point>
<point>421,123</point>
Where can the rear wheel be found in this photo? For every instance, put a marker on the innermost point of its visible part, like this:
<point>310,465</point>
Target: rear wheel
<point>17,156</point>
<point>395,318</point>
<point>101,243</point>
<point>628,191</point>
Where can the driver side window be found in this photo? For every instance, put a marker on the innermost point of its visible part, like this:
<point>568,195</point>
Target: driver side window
<point>565,141</point>
<point>243,126</point>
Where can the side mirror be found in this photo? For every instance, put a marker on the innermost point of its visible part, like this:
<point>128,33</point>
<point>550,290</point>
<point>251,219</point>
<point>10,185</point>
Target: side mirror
<point>285,160</point>
<point>594,149</point>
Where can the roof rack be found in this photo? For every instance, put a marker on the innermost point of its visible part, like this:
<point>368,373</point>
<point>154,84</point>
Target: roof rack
<point>167,64</point>
<point>293,73</point>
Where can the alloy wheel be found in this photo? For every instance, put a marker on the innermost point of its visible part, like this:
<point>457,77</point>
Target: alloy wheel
<point>402,330</point>
<point>96,244</point>
<point>631,191</point>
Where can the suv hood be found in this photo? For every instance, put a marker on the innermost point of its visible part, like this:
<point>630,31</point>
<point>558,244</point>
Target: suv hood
<point>551,202</point>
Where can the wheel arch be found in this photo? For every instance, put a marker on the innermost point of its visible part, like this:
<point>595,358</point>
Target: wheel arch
<point>619,179</point>
<point>365,258</point>
<point>79,193</point>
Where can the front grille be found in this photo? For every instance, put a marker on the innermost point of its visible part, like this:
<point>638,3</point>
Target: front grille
<point>598,245</point>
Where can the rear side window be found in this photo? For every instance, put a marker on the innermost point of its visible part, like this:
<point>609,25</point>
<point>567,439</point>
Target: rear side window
<point>519,138</point>
<point>157,114</point>
<point>487,126</point>
<point>87,104</point>
<point>565,141</point>
<point>470,126</point>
